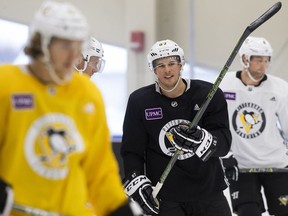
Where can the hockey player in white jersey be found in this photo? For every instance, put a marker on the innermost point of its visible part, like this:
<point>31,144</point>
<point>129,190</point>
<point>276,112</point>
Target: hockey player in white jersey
<point>255,101</point>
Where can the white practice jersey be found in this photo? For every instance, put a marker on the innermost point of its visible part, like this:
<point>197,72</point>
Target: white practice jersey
<point>253,111</point>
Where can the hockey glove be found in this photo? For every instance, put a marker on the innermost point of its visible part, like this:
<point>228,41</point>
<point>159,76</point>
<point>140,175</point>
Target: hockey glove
<point>231,167</point>
<point>138,187</point>
<point>6,198</point>
<point>196,140</point>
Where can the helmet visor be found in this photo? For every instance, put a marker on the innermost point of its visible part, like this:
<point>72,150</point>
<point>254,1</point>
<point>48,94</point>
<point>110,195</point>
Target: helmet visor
<point>97,64</point>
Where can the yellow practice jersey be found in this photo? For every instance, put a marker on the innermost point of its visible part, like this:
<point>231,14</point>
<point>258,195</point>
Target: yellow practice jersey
<point>55,147</point>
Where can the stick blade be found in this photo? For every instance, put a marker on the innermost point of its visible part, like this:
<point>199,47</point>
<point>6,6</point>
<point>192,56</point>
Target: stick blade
<point>265,16</point>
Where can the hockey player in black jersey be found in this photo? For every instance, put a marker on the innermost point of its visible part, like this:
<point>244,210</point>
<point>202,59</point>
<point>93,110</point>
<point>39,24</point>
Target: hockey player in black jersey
<point>195,184</point>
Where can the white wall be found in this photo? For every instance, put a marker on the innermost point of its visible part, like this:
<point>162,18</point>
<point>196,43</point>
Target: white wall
<point>219,24</point>
<point>106,17</point>
<point>207,30</point>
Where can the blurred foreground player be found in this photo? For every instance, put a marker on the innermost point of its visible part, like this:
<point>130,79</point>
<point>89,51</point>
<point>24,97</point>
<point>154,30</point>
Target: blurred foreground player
<point>55,150</point>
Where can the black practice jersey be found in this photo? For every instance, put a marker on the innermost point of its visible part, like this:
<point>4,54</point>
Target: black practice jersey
<point>149,115</point>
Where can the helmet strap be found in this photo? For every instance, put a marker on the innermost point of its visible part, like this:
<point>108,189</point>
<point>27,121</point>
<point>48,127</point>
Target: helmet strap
<point>166,90</point>
<point>252,78</point>
<point>47,61</point>
<point>84,67</point>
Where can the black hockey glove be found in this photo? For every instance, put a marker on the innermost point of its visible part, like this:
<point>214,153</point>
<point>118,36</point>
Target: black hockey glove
<point>6,198</point>
<point>231,167</point>
<point>196,140</point>
<point>138,187</point>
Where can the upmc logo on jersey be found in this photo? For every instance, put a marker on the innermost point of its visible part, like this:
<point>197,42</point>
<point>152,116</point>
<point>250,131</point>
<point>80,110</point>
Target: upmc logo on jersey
<point>22,101</point>
<point>153,113</point>
<point>230,95</point>
<point>248,120</point>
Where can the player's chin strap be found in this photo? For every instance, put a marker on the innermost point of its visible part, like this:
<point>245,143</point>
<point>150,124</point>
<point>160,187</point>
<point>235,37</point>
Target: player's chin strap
<point>166,90</point>
<point>84,66</point>
<point>252,78</point>
<point>79,70</point>
<point>51,71</point>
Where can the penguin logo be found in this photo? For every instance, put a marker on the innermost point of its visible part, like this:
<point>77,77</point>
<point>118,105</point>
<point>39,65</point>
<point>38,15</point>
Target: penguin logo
<point>50,142</point>
<point>164,143</point>
<point>248,120</point>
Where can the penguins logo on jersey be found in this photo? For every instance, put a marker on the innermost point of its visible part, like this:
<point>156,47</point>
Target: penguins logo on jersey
<point>248,120</point>
<point>164,143</point>
<point>49,143</point>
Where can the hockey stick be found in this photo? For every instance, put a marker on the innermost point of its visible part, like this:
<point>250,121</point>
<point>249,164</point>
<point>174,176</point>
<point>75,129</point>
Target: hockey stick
<point>264,170</point>
<point>284,137</point>
<point>270,169</point>
<point>33,211</point>
<point>249,29</point>
<point>279,127</point>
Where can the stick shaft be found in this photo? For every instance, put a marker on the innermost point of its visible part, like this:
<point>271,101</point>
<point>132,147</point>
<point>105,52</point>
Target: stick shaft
<point>263,18</point>
<point>249,29</point>
<point>264,170</point>
<point>33,211</point>
<point>166,172</point>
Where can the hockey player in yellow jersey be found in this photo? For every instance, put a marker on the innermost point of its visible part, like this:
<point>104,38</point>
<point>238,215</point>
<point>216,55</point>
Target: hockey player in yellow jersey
<point>55,150</point>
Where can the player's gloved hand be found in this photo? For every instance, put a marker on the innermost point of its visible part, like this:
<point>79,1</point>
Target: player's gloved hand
<point>138,187</point>
<point>6,198</point>
<point>196,140</point>
<point>231,167</point>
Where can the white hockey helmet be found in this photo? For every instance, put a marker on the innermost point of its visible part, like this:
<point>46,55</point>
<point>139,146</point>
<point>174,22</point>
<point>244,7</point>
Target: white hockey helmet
<point>94,48</point>
<point>255,46</point>
<point>60,19</point>
<point>162,49</point>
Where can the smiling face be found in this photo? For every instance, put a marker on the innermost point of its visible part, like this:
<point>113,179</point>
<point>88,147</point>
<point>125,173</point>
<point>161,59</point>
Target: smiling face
<point>168,71</point>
